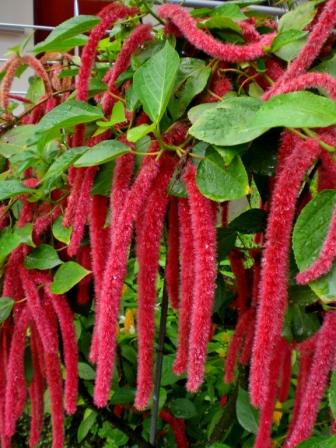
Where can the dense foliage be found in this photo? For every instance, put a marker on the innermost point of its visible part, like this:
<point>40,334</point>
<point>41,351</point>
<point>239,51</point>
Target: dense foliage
<point>191,159</point>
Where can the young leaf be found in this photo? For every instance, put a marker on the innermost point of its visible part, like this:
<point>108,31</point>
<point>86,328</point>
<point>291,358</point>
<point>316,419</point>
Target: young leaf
<point>247,416</point>
<point>219,182</point>
<point>64,45</point>
<point>135,134</point>
<point>101,153</point>
<point>60,232</point>
<point>154,81</point>
<point>43,257</point>
<point>85,371</point>
<point>309,234</point>
<point>67,276</point>
<point>6,306</point>
<point>65,31</point>
<point>117,116</point>
<point>86,424</point>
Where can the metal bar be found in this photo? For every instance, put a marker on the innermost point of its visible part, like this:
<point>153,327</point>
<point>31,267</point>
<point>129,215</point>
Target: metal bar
<point>272,11</point>
<point>22,26</point>
<point>76,8</point>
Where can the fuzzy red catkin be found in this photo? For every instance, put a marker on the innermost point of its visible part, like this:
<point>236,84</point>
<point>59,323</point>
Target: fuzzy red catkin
<point>15,371</point>
<point>186,286</point>
<point>180,17</point>
<point>237,266</point>
<point>323,263</point>
<point>83,292</point>
<point>178,427</point>
<point>286,373</point>
<point>316,39</point>
<point>148,254</point>
<point>263,439</point>
<point>236,344</point>
<point>274,275</point>
<point>114,275</point>
<point>138,37</point>
<point>248,30</point>
<point>326,172</point>
<point>36,390</point>
<point>321,365</point>
<point>38,313</point>
<point>246,349</point>
<point>7,81</point>
<point>204,235</point>
<point>172,266</point>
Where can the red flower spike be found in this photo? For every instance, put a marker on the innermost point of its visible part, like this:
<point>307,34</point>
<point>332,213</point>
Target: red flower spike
<point>326,172</point>
<point>137,37</point>
<point>286,373</point>
<point>50,344</point>
<point>274,68</point>
<point>246,349</point>
<point>205,42</point>
<point>274,275</point>
<point>114,275</point>
<point>70,210</point>
<point>236,344</point>
<point>323,263</point>
<point>204,235</point>
<point>178,428</point>
<point>44,221</point>
<point>148,254</point>
<point>172,271</point>
<point>316,39</point>
<point>186,287</point>
<point>321,365</point>
<point>11,287</point>
<point>15,372</point>
<point>6,83</point>
<point>248,29</point>
<point>237,266</point>
<point>84,259</point>
<point>263,439</point>
<point>39,70</point>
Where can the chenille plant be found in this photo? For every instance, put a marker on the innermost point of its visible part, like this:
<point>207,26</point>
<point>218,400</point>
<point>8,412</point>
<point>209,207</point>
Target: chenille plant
<point>190,159</point>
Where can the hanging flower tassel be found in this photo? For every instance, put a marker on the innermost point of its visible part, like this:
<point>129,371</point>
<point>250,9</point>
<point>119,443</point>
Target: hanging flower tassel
<point>172,268</point>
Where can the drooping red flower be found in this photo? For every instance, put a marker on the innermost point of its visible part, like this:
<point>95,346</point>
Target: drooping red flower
<point>172,271</point>
<point>237,266</point>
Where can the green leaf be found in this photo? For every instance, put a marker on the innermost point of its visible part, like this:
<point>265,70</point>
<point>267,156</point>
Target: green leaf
<point>43,257</point>
<point>290,51</point>
<point>6,306</point>
<point>15,140</point>
<point>251,221</point>
<point>327,66</point>
<point>319,442</point>
<point>229,10</point>
<point>310,231</point>
<point>62,163</point>
<point>60,232</point>
<point>154,81</point>
<point>168,376</point>
<point>298,18</point>
<point>191,79</point>
<point>65,31</point>
<point>219,182</point>
<point>11,238</point>
<point>286,37</point>
<point>66,115</point>
<point>332,394</point>
<point>123,395</point>
<point>103,180</point>
<point>247,415</point>
<point>226,123</point>
<point>183,408</point>
<point>10,188</point>
<point>221,23</point>
<point>117,116</point>
<point>66,44</point>
<point>85,371</point>
<point>86,424</point>
<point>226,239</point>
<point>105,151</point>
<point>302,324</point>
<point>301,295</point>
<point>67,276</point>
<point>135,134</point>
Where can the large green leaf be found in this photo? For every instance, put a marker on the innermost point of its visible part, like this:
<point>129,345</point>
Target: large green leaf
<point>247,416</point>
<point>67,276</point>
<point>229,10</point>
<point>154,81</point>
<point>86,424</point>
<point>227,123</point>
<point>298,18</point>
<point>319,442</point>
<point>285,38</point>
<point>219,182</point>
<point>85,371</point>
<point>43,257</point>
<point>60,232</point>
<point>191,79</point>
<point>15,140</point>
<point>62,163</point>
<point>310,231</point>
<point>11,238</point>
<point>183,408</point>
<point>101,153</point>
<point>66,115</point>
<point>10,188</point>
<point>327,66</point>
<point>6,306</point>
<point>65,31</point>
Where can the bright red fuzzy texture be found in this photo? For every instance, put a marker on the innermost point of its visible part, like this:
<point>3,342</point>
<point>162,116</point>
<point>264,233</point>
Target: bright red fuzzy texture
<point>15,372</point>
<point>205,42</point>
<point>317,37</point>
<point>263,439</point>
<point>7,81</point>
<point>140,35</point>
<point>38,313</point>
<point>148,254</point>
<point>274,275</point>
<point>178,427</point>
<point>172,271</point>
<point>236,345</point>
<point>286,373</point>
<point>237,266</point>
<point>322,364</point>
<point>204,235</point>
<point>84,259</point>
<point>114,275</point>
<point>323,263</point>
<point>186,287</point>
<point>326,172</point>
